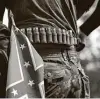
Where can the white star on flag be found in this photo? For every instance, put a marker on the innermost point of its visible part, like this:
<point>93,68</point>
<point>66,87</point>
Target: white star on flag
<point>31,83</point>
<point>27,64</point>
<point>22,46</point>
<point>26,81</point>
<point>14,92</point>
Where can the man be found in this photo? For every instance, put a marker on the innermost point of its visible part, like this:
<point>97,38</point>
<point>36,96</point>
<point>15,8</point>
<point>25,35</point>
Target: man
<point>51,27</point>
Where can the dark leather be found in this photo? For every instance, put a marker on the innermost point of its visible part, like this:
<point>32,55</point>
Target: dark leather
<point>3,73</point>
<point>80,46</point>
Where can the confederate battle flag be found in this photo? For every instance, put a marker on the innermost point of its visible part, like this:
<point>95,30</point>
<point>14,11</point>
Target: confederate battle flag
<point>25,68</point>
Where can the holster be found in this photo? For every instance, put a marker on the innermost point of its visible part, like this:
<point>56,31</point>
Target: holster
<point>85,85</point>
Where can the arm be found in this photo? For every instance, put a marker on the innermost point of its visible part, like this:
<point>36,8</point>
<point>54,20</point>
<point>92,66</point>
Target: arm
<point>93,22</point>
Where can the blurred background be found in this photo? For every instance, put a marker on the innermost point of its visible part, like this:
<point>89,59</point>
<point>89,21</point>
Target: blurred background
<point>90,55</point>
<point>90,60</point>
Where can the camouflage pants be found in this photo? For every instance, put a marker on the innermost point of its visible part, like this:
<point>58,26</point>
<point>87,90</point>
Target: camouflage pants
<point>63,75</point>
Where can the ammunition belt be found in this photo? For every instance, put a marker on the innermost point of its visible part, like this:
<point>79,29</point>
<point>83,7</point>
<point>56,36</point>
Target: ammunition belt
<point>50,35</point>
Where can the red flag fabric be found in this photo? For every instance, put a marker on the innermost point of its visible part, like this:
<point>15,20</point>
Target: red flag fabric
<point>25,68</point>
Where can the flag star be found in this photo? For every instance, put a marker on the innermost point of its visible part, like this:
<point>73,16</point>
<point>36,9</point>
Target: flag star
<point>22,46</point>
<point>31,83</point>
<point>27,64</point>
<point>14,92</point>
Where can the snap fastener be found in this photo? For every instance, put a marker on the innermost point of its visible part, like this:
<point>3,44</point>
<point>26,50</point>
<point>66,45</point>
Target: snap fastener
<point>49,74</point>
<point>49,77</point>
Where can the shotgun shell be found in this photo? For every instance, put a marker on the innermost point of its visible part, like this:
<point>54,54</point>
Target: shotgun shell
<point>64,36</point>
<point>29,34</point>
<point>59,34</point>
<point>36,35</point>
<point>49,35</point>
<point>54,34</point>
<point>43,35</point>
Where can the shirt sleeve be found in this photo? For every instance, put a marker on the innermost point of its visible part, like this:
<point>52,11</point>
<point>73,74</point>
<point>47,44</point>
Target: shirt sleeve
<point>93,22</point>
<point>2,8</point>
